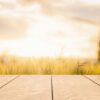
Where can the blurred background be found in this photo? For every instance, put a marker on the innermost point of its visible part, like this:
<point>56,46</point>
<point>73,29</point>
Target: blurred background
<point>50,29</point>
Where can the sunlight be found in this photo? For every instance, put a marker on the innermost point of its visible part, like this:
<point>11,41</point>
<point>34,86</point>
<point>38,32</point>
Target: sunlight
<point>48,35</point>
<point>44,40</point>
<point>91,2</point>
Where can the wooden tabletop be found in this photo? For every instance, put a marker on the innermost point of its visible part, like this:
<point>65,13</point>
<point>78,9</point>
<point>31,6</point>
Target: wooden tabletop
<point>49,87</point>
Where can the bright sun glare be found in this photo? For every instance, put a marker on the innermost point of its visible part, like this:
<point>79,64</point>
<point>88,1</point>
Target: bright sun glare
<point>50,36</point>
<point>91,2</point>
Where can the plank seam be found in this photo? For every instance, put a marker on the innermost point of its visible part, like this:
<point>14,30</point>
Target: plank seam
<point>52,88</point>
<point>91,80</point>
<point>9,82</point>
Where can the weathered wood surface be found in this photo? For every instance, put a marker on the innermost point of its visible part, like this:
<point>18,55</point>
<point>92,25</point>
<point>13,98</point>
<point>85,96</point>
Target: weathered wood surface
<point>95,78</point>
<point>27,88</point>
<point>4,79</point>
<point>75,88</point>
<point>47,87</point>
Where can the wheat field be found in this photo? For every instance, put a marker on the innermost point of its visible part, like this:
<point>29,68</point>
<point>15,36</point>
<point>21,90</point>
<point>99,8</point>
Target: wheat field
<point>59,65</point>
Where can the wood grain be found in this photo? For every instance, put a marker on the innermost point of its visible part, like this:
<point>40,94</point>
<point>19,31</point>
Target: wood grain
<point>5,79</point>
<point>28,87</point>
<point>45,87</point>
<point>95,78</point>
<point>71,87</point>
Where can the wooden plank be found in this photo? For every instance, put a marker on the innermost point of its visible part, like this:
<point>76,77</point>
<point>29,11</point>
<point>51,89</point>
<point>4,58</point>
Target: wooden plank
<point>74,88</point>
<point>5,79</point>
<point>95,78</point>
<point>28,87</point>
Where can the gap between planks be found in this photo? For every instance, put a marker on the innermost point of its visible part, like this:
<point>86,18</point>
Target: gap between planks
<point>11,80</point>
<point>90,79</point>
<point>52,84</point>
<point>52,93</point>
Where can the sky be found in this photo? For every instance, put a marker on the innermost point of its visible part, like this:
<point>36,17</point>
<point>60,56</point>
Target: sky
<point>49,27</point>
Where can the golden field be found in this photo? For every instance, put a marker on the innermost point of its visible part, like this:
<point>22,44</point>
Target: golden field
<point>60,65</point>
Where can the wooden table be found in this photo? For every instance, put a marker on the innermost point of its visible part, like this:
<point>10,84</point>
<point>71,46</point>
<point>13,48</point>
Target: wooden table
<point>47,87</point>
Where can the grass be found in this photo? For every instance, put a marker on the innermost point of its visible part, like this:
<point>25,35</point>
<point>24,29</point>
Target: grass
<point>21,65</point>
